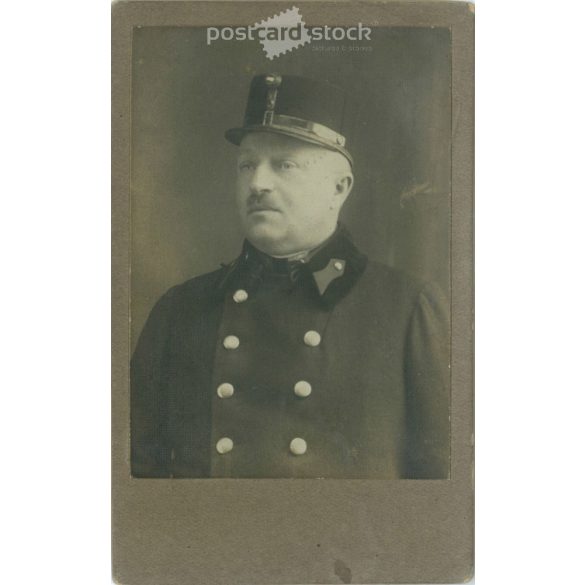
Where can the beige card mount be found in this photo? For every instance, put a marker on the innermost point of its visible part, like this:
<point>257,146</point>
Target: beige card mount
<point>292,292</point>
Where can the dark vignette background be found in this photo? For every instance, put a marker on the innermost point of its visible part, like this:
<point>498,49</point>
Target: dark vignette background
<point>185,94</point>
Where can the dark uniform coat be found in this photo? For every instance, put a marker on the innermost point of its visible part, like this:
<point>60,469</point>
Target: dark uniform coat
<point>332,368</point>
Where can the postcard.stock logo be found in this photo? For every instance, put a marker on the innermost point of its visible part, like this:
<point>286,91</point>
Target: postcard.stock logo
<point>286,31</point>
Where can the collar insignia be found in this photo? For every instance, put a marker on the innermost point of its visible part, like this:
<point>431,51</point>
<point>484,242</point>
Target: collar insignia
<point>323,278</point>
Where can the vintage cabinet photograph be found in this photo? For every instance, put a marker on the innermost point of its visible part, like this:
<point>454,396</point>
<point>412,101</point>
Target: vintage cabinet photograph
<point>292,292</point>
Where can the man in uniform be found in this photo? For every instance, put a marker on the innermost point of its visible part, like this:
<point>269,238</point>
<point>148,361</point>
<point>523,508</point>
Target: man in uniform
<point>301,358</point>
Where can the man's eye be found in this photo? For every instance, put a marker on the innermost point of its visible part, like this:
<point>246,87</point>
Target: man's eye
<point>245,166</point>
<point>287,165</point>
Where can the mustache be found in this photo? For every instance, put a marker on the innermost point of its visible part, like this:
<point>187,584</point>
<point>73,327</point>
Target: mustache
<point>257,202</point>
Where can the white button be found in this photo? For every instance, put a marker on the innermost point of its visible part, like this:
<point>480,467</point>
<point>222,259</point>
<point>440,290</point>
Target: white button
<point>302,388</point>
<point>338,266</point>
<point>231,342</point>
<point>224,445</point>
<point>225,390</point>
<point>240,296</point>
<point>312,338</point>
<point>298,446</point>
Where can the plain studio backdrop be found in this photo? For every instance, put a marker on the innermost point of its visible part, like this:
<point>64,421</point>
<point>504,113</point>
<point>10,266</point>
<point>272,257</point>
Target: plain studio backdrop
<point>186,93</point>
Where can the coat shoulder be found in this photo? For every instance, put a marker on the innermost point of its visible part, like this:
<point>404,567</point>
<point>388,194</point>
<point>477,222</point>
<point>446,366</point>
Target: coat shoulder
<point>391,279</point>
<point>393,287</point>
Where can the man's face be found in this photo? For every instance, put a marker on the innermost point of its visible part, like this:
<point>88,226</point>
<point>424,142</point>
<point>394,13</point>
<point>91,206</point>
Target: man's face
<point>289,192</point>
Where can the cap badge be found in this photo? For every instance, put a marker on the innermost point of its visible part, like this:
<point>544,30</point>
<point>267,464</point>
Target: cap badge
<point>273,83</point>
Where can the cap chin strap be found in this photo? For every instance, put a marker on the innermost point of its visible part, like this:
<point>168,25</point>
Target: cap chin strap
<point>318,130</point>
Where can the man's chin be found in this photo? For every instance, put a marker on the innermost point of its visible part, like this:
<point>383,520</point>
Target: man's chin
<point>266,238</point>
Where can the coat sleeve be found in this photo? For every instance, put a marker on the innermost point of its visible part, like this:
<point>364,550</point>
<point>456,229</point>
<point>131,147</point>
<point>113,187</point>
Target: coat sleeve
<point>427,375</point>
<point>150,451</point>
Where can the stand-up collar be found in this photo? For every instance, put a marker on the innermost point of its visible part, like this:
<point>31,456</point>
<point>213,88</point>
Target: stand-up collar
<point>335,266</point>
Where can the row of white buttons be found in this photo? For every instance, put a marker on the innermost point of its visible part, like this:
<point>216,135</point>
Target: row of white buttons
<point>311,338</point>
<point>302,389</point>
<point>297,446</point>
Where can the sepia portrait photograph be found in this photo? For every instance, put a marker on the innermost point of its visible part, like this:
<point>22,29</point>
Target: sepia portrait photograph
<point>290,229</point>
<point>299,219</point>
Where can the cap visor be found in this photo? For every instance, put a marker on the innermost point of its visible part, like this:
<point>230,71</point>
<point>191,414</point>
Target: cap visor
<point>236,135</point>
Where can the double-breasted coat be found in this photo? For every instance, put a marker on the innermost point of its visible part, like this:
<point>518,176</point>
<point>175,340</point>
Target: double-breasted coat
<point>336,367</point>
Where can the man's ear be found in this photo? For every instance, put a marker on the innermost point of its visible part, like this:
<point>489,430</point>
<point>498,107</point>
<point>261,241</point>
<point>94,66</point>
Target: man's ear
<point>344,185</point>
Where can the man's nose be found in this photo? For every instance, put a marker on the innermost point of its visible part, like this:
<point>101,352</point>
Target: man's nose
<point>262,179</point>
